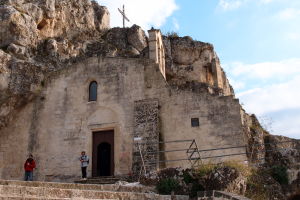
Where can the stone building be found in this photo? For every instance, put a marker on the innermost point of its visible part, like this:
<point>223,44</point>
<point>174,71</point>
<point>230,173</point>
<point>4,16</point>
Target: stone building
<point>68,86</point>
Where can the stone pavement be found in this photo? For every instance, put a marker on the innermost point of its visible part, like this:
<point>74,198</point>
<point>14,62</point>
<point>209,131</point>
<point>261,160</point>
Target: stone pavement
<point>20,190</point>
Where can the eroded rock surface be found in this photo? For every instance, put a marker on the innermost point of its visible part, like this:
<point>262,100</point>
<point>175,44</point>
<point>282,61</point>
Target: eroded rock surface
<point>26,22</point>
<point>4,71</point>
<point>41,37</point>
<point>226,179</point>
<point>188,60</point>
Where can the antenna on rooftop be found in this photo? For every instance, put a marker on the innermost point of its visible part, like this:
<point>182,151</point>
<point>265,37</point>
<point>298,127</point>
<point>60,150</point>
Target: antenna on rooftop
<point>123,15</point>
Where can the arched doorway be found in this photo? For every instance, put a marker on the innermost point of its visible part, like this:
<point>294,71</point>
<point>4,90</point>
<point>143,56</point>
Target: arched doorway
<point>103,160</point>
<point>103,153</point>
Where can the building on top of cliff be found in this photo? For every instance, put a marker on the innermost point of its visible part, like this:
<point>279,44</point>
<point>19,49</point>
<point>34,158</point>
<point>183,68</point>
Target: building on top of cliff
<point>71,83</point>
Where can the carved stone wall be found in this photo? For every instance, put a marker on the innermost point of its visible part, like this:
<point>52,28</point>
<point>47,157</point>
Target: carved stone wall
<point>146,127</point>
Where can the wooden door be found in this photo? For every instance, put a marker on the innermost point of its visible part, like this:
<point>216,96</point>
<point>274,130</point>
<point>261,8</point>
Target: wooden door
<point>103,153</point>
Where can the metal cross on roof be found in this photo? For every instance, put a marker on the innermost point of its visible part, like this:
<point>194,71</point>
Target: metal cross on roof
<point>124,16</point>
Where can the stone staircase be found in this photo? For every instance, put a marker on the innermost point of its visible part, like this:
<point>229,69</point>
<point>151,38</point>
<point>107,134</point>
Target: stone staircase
<point>99,180</point>
<point>20,190</point>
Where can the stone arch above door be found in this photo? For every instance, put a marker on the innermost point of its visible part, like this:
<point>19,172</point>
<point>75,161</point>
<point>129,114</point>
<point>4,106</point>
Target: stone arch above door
<point>102,117</point>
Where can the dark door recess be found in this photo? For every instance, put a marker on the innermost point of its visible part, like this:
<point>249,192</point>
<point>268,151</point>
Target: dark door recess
<point>103,153</point>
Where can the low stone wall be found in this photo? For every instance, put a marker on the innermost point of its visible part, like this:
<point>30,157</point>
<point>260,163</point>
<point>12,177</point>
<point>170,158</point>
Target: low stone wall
<point>20,190</point>
<point>219,195</point>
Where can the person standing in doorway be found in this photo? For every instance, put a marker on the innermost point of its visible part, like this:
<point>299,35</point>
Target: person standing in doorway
<point>84,159</point>
<point>29,165</point>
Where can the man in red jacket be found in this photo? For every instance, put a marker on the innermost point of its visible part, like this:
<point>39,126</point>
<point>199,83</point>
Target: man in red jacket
<point>29,165</point>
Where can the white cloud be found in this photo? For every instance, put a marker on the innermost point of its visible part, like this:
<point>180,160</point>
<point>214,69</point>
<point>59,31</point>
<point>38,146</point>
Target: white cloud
<point>293,36</point>
<point>270,89</point>
<point>272,98</point>
<point>176,24</point>
<point>289,13</point>
<point>237,84</point>
<point>266,70</point>
<point>141,12</point>
<point>266,1</point>
<point>227,5</point>
<point>287,124</point>
<point>278,102</point>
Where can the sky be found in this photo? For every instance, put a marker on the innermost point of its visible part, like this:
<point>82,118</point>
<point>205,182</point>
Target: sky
<point>258,42</point>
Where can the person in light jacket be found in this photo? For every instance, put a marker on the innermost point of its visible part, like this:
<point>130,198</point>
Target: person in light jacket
<point>84,160</point>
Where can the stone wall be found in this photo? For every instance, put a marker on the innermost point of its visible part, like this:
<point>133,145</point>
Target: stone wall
<point>146,130</point>
<point>64,121</point>
<point>157,50</point>
<point>60,122</point>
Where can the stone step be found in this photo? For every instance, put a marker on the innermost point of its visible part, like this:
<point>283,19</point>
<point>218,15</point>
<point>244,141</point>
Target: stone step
<point>56,193</point>
<point>98,181</point>
<point>32,198</point>
<point>39,198</point>
<point>106,187</point>
<point>104,177</point>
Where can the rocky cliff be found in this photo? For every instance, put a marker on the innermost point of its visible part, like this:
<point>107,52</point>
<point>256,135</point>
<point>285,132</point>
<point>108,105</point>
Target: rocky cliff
<point>25,23</point>
<point>38,38</point>
<point>31,29</point>
<point>41,37</point>
<point>189,61</point>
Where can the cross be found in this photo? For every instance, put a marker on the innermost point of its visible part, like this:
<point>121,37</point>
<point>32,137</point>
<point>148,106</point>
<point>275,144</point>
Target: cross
<point>124,16</point>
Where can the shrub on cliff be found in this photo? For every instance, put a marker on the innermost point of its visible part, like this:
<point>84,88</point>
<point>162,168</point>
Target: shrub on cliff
<point>279,173</point>
<point>166,186</point>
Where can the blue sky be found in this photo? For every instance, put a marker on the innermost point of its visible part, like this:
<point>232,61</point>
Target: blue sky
<point>258,42</point>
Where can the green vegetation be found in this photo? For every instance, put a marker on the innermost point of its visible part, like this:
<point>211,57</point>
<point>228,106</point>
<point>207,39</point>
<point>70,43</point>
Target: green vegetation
<point>279,173</point>
<point>262,183</point>
<point>206,169</point>
<point>166,186</point>
<point>195,188</point>
<point>256,189</point>
<point>245,170</point>
<point>187,178</point>
<point>172,34</point>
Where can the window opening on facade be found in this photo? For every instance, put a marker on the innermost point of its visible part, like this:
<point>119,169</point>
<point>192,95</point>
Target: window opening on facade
<point>93,91</point>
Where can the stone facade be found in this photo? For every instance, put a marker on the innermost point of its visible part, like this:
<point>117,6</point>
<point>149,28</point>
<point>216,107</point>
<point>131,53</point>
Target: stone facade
<point>59,124</point>
<point>148,88</point>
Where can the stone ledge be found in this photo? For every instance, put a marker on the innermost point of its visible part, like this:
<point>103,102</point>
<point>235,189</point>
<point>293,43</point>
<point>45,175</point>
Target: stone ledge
<point>218,195</point>
<point>48,190</point>
<point>109,187</point>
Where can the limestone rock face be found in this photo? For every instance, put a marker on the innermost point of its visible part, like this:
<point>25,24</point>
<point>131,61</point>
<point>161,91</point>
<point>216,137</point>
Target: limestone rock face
<point>137,38</point>
<point>102,17</point>
<point>188,60</point>
<point>37,37</point>
<point>16,27</point>
<point>255,137</point>
<point>185,51</point>
<point>124,42</point>
<point>4,71</point>
<point>282,151</point>
<point>20,82</point>
<point>26,22</point>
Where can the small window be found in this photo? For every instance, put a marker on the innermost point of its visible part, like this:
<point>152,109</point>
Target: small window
<point>195,122</point>
<point>93,91</point>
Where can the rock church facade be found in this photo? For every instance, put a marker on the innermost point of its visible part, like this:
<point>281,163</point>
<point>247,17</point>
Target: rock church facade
<point>109,94</point>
